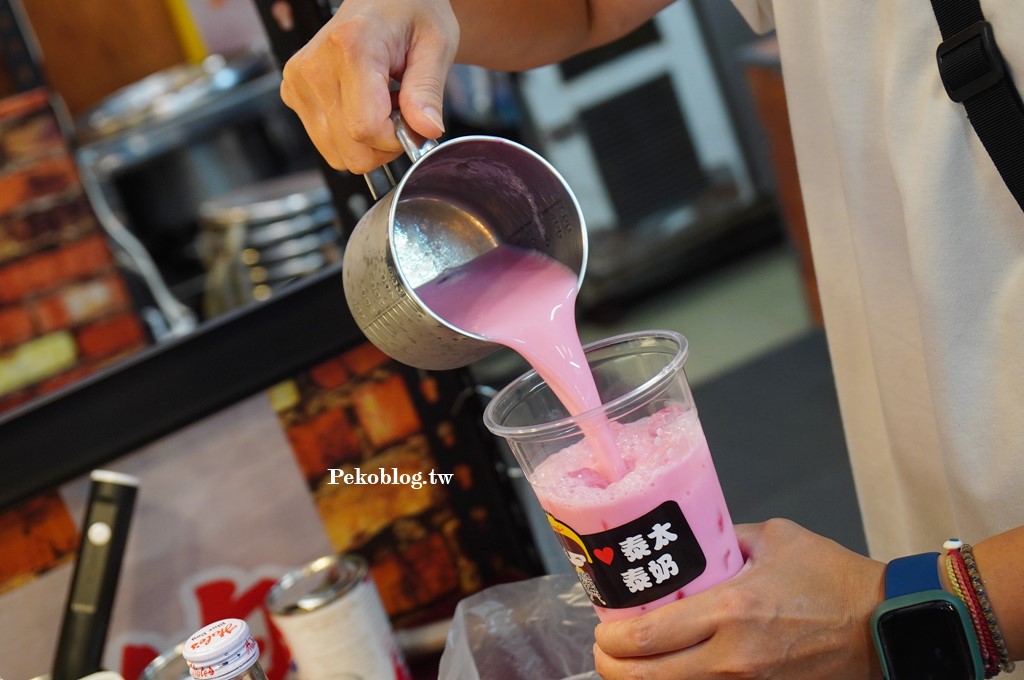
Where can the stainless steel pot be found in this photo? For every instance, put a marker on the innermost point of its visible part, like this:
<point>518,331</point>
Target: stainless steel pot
<point>460,199</point>
<point>258,238</point>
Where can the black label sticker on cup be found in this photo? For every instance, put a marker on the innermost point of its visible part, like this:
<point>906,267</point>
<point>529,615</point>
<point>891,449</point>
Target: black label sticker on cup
<point>636,563</point>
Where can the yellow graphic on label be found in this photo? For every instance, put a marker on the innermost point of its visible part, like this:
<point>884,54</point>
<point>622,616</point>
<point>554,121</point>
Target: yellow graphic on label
<point>579,557</point>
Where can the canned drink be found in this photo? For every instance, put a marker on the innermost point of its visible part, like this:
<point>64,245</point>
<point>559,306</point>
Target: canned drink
<point>333,621</point>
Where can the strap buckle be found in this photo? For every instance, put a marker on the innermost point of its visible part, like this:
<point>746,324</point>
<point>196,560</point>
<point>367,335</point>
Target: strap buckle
<point>970,62</point>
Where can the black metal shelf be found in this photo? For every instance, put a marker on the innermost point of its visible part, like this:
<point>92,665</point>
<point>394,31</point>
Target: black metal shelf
<point>56,438</point>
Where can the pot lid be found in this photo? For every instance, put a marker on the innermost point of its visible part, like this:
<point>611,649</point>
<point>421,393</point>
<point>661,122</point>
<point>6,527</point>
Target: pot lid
<point>169,93</point>
<point>267,201</point>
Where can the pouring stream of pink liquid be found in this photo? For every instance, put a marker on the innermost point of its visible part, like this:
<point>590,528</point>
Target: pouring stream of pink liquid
<point>527,302</point>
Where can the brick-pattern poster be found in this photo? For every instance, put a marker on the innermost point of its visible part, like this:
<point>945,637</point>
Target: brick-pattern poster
<point>65,310</point>
<point>400,473</point>
<point>36,536</point>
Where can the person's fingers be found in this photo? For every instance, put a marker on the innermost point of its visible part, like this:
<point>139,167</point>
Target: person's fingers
<point>673,626</point>
<point>330,139</point>
<point>362,157</point>
<point>315,124</point>
<point>297,95</point>
<point>339,82</point>
<point>366,97</point>
<point>664,667</point>
<point>677,625</point>
<point>357,109</point>
<point>339,87</point>
<point>422,91</point>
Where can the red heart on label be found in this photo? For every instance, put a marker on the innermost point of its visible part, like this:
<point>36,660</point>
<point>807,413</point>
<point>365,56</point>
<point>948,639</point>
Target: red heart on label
<point>606,555</point>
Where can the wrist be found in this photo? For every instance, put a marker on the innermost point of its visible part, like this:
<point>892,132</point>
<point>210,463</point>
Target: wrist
<point>965,581</point>
<point>864,591</point>
<point>921,629</point>
<point>877,589</point>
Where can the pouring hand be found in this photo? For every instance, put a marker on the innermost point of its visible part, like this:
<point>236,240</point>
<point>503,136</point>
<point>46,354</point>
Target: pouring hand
<point>799,609</point>
<point>338,83</point>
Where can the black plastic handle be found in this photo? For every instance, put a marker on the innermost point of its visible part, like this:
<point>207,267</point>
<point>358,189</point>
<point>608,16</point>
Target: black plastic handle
<point>91,599</point>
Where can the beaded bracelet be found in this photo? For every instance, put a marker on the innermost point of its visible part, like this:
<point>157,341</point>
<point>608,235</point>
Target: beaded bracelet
<point>967,554</point>
<point>960,582</point>
<point>967,585</point>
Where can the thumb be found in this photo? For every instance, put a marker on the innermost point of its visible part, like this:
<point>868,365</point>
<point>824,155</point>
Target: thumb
<point>422,92</point>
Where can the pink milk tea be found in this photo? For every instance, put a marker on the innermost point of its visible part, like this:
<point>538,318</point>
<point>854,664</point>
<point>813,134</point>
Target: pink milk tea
<point>659,533</point>
<point>635,502</point>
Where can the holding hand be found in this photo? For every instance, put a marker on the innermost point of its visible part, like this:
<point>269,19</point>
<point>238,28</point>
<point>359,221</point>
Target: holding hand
<point>339,82</point>
<point>799,609</point>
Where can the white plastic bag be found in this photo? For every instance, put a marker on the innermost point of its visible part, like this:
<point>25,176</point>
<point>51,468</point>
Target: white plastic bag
<point>539,629</point>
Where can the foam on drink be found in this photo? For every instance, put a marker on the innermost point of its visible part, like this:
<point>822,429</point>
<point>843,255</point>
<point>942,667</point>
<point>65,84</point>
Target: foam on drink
<point>668,461</point>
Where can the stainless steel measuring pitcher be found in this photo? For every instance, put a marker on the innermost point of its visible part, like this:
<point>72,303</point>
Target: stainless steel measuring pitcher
<point>460,199</point>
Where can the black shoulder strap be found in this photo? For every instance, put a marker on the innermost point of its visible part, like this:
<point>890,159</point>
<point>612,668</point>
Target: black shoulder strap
<point>974,74</point>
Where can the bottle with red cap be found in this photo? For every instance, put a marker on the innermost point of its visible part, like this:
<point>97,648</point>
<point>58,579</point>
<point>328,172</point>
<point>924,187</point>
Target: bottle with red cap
<point>224,650</point>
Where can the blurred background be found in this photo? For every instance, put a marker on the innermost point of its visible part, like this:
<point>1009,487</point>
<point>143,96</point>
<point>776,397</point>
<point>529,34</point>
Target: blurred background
<point>171,307</point>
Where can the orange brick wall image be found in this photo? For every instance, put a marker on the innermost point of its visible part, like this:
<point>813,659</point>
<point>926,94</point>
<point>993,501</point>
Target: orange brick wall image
<point>65,310</point>
<point>424,572</point>
<point>378,505</point>
<point>385,411</point>
<point>427,547</point>
<point>36,536</point>
<point>323,441</point>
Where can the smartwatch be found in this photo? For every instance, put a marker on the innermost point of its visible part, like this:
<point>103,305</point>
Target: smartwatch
<point>922,631</point>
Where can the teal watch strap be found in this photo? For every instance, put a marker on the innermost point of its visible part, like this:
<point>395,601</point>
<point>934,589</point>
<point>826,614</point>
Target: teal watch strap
<point>920,630</point>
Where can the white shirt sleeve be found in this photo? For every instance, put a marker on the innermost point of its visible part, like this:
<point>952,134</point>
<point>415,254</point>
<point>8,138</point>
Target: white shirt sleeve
<point>758,13</point>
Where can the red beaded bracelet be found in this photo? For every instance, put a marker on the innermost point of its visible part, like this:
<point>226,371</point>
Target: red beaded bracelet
<point>967,554</point>
<point>960,582</point>
<point>967,585</point>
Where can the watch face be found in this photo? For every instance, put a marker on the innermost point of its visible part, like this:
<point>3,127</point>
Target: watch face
<point>925,641</point>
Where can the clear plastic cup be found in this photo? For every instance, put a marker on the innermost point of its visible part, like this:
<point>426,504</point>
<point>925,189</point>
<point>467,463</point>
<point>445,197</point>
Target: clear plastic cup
<point>662,531</point>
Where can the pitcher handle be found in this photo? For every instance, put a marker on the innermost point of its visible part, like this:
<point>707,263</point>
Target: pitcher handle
<point>381,180</point>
